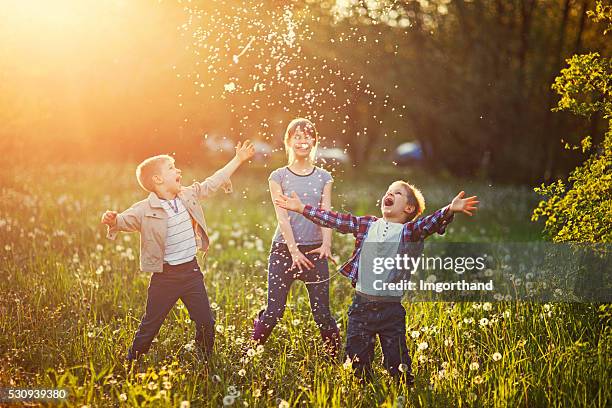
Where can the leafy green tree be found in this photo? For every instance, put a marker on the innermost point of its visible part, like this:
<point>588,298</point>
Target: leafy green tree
<point>580,208</point>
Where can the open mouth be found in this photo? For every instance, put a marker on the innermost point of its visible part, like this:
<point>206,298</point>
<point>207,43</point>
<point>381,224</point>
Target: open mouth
<point>388,201</point>
<point>302,146</point>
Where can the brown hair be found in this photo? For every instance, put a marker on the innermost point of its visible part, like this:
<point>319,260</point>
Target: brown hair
<point>149,168</point>
<point>308,128</point>
<point>415,199</point>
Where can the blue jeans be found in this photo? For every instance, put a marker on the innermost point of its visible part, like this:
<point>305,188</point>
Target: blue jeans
<point>280,278</point>
<point>185,282</point>
<point>366,320</point>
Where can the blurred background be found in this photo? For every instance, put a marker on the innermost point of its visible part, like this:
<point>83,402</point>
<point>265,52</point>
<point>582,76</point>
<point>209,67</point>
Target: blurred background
<point>455,86</point>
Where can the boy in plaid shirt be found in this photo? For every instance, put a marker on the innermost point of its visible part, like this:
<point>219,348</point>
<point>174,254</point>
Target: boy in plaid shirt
<point>398,231</point>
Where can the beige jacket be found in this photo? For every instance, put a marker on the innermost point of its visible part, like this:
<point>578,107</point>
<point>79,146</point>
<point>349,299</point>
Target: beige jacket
<point>150,219</point>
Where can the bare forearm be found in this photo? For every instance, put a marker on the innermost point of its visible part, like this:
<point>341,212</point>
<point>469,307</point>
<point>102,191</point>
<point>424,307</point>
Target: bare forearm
<point>285,228</point>
<point>327,236</point>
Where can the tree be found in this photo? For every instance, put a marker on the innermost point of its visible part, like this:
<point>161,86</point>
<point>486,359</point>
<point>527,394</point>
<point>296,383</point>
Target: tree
<point>580,209</point>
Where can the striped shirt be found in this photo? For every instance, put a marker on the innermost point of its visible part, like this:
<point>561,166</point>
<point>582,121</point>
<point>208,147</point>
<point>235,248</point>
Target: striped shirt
<point>180,238</point>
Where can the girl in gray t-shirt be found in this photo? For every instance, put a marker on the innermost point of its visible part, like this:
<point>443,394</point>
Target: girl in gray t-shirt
<point>300,248</point>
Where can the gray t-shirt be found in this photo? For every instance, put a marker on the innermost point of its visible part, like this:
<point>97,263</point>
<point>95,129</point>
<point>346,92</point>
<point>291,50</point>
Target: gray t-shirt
<point>310,190</point>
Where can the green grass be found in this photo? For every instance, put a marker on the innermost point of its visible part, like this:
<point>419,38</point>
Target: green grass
<point>70,302</point>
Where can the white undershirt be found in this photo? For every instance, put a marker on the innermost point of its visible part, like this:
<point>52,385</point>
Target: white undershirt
<point>382,240</point>
<point>180,238</point>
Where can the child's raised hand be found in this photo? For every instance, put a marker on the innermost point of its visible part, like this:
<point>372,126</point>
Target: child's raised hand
<point>464,205</point>
<point>109,218</point>
<point>244,151</point>
<point>292,203</point>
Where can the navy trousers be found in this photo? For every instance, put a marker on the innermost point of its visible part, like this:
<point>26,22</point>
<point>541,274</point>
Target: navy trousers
<point>184,282</point>
<point>280,278</point>
<point>387,320</point>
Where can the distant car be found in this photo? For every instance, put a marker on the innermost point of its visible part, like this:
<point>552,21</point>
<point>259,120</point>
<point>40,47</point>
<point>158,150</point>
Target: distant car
<point>409,152</point>
<point>223,144</point>
<point>332,155</point>
<point>218,144</point>
<point>262,150</point>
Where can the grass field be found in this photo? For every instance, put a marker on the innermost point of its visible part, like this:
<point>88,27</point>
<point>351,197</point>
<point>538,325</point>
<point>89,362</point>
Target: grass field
<point>70,302</point>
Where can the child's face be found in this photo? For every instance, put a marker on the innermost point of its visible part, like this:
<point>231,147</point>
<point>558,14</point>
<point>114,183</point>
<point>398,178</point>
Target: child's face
<point>169,177</point>
<point>301,143</point>
<point>394,204</point>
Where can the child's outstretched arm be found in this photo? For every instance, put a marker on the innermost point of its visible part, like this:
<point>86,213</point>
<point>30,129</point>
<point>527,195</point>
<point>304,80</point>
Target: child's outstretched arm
<point>127,221</point>
<point>437,222</point>
<point>221,178</point>
<point>342,222</point>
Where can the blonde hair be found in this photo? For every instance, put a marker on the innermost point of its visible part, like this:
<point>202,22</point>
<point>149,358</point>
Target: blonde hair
<point>149,168</point>
<point>308,128</point>
<point>415,199</point>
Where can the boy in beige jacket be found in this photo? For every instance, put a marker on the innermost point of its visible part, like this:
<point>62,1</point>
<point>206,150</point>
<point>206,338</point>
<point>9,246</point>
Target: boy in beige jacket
<point>172,229</point>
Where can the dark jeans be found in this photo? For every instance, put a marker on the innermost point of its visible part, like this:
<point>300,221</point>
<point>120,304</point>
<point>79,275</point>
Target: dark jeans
<point>280,278</point>
<point>185,282</point>
<point>366,319</point>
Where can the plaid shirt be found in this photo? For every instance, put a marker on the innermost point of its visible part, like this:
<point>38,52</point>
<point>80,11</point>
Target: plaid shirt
<point>358,226</point>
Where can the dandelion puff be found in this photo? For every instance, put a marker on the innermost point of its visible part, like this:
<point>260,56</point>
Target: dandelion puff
<point>228,400</point>
<point>260,348</point>
<point>122,397</point>
<point>190,346</point>
<point>283,404</point>
<point>497,356</point>
<point>403,368</point>
<point>478,380</point>
<point>242,372</point>
<point>257,393</point>
<point>216,378</point>
<point>251,352</point>
<point>415,334</point>
<point>423,346</point>
<point>347,364</point>
<point>474,366</point>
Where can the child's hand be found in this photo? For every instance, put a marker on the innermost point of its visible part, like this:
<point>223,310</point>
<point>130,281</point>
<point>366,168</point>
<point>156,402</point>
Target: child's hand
<point>300,261</point>
<point>292,203</point>
<point>109,218</point>
<point>464,205</point>
<point>324,252</point>
<point>244,151</point>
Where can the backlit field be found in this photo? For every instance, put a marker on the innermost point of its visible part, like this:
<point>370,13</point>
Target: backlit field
<point>70,302</point>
